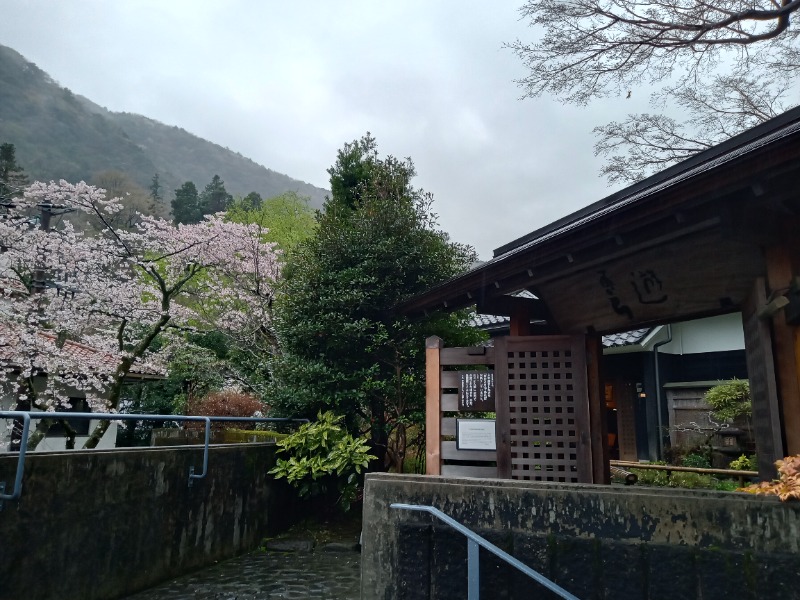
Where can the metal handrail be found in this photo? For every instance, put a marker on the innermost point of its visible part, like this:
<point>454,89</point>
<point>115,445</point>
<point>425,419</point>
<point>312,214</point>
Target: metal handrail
<point>27,416</point>
<point>474,543</point>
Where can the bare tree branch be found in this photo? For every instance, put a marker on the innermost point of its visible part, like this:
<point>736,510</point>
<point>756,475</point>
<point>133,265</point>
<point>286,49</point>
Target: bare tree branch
<point>591,48</point>
<point>645,143</point>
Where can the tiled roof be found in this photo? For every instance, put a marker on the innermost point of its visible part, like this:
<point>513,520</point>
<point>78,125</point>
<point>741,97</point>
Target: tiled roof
<point>10,285</point>
<point>488,321</point>
<point>75,349</point>
<point>627,338</point>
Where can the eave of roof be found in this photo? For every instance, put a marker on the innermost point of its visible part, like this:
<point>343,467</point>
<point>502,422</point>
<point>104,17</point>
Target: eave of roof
<point>783,125</point>
<point>745,144</point>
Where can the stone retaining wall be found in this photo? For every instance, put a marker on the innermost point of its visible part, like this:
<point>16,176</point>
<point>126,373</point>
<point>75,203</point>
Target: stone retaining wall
<point>596,541</point>
<point>103,524</point>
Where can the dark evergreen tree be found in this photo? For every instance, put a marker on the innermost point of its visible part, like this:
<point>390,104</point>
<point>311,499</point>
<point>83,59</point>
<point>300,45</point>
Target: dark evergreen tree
<point>185,205</point>
<point>155,189</point>
<point>342,346</point>
<point>214,197</point>
<point>253,200</point>
<point>12,176</point>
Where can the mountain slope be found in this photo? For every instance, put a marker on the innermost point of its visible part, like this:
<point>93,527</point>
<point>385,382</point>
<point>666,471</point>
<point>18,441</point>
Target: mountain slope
<point>59,135</point>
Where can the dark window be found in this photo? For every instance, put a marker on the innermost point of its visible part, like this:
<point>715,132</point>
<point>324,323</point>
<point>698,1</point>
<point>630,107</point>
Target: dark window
<point>81,426</point>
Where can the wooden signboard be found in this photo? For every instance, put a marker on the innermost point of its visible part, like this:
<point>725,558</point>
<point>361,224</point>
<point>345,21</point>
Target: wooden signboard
<point>476,434</point>
<point>476,391</point>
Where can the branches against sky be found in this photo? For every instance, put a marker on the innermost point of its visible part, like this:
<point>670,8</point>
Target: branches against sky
<point>727,64</point>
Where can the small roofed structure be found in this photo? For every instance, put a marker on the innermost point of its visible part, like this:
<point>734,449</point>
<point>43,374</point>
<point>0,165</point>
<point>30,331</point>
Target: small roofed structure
<point>715,234</point>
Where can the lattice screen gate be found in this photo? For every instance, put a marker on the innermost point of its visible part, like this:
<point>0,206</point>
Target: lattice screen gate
<point>542,409</point>
<point>541,402</point>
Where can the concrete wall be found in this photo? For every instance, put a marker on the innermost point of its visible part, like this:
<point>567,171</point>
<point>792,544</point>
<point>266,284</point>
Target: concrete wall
<point>596,541</point>
<point>104,524</point>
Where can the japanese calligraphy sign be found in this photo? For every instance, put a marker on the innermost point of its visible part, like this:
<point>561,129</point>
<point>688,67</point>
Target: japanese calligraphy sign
<point>476,391</point>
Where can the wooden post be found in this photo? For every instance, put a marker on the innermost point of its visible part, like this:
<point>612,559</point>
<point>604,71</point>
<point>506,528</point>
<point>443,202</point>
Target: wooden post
<point>501,408</point>
<point>598,426</point>
<point>779,277</point>
<point>433,406</point>
<point>763,387</point>
<point>520,319</point>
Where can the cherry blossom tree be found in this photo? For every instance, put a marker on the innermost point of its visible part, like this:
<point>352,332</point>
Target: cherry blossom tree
<point>86,311</point>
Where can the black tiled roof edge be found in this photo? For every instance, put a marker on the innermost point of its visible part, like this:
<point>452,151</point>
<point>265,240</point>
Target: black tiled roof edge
<point>613,340</point>
<point>626,338</point>
<point>781,126</point>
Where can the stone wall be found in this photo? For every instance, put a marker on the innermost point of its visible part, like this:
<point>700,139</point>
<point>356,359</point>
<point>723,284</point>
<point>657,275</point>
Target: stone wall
<point>596,541</point>
<point>104,524</point>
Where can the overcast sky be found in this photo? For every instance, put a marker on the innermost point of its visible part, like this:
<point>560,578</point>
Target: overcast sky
<point>288,83</point>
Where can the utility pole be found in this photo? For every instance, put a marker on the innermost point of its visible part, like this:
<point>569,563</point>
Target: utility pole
<point>48,211</point>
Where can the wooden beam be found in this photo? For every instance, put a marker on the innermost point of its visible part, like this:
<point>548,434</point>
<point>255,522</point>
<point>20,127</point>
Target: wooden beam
<point>433,408</point>
<point>598,425</point>
<point>763,388</point>
<point>503,442</point>
<point>520,320</point>
<point>779,276</point>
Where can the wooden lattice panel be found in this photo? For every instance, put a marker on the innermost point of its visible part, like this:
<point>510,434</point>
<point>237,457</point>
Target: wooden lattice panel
<point>546,408</point>
<point>626,420</point>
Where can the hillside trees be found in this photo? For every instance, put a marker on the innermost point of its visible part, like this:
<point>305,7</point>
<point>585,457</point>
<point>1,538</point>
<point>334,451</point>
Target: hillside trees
<point>726,64</point>
<point>12,176</point>
<point>155,189</point>
<point>214,198</point>
<point>189,206</point>
<point>341,345</point>
<point>287,218</point>
<point>108,299</point>
<point>186,205</point>
<point>134,199</point>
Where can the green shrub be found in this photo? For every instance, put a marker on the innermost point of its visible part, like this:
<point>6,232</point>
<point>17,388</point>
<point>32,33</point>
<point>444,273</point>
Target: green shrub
<point>323,459</point>
<point>745,463</point>
<point>691,481</point>
<point>697,461</point>
<point>730,400</point>
<point>655,477</point>
<point>727,485</point>
<point>684,480</point>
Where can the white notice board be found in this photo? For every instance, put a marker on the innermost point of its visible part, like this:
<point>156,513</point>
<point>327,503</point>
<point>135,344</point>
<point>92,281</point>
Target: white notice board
<point>475,434</point>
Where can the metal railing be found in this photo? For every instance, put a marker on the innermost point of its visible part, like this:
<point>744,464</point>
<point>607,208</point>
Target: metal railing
<point>474,544</point>
<point>26,418</point>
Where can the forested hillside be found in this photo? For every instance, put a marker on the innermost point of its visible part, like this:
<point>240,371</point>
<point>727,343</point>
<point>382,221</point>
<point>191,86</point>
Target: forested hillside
<point>58,134</point>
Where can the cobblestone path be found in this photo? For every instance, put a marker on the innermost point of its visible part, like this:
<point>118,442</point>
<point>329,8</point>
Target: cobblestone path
<point>323,574</point>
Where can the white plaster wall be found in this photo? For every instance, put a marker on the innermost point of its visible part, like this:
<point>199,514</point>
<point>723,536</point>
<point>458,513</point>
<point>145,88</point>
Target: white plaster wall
<point>8,402</point>
<point>713,334</point>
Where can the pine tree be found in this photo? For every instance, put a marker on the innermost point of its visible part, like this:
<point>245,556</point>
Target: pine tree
<point>342,345</point>
<point>185,205</point>
<point>12,176</point>
<point>214,197</point>
<point>155,189</point>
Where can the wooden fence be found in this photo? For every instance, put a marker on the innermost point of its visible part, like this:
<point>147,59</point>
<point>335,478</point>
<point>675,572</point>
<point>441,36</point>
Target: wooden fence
<point>459,383</point>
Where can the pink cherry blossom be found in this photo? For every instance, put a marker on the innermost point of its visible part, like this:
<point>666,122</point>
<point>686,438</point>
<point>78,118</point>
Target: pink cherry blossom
<point>85,310</point>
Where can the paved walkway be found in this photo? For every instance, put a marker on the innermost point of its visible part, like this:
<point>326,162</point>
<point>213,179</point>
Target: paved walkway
<point>326,574</point>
